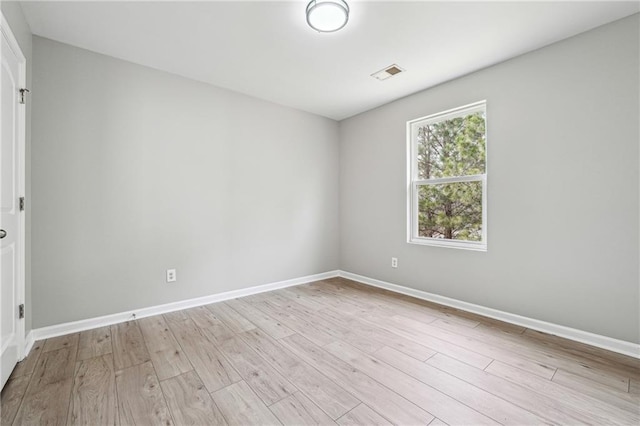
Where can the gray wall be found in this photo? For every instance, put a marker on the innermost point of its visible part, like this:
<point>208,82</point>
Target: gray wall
<point>136,171</point>
<point>563,180</point>
<point>18,24</point>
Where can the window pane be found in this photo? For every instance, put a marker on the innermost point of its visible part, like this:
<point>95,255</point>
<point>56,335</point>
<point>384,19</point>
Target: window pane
<point>450,211</point>
<point>453,147</point>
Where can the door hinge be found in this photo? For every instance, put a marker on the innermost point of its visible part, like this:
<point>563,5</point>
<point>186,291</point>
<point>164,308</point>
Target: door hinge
<point>21,204</point>
<point>22,93</point>
<point>21,311</point>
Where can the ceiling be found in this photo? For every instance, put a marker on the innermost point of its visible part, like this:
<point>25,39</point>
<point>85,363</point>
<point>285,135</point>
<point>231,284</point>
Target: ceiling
<point>265,49</point>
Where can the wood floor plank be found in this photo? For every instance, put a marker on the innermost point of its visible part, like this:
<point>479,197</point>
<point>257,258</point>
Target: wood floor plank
<point>495,352</point>
<point>352,301</point>
<point>66,341</point>
<point>360,334</point>
<point>167,356</point>
<point>27,366</point>
<point>634,387</point>
<point>596,389</point>
<point>378,335</point>
<point>544,406</point>
<point>371,301</point>
<point>467,319</point>
<point>599,370</point>
<point>335,290</point>
<point>392,406</point>
<point>295,322</point>
<point>612,381</point>
<point>94,400</point>
<point>593,371</point>
<point>424,396</point>
<point>96,342</point>
<point>241,406</point>
<point>440,311</point>
<point>501,326</point>
<point>590,362</point>
<point>271,326</point>
<point>315,294</point>
<point>603,356</point>
<point>336,329</point>
<point>140,399</point>
<point>46,400</point>
<point>12,395</point>
<point>189,401</point>
<point>480,400</point>
<point>297,409</point>
<point>607,407</point>
<point>394,303</point>
<point>307,302</point>
<point>608,378</point>
<point>213,368</point>
<point>129,348</point>
<point>265,381</point>
<point>232,319</point>
<point>363,415</point>
<point>326,394</point>
<point>480,332</point>
<point>205,319</point>
<point>438,345</point>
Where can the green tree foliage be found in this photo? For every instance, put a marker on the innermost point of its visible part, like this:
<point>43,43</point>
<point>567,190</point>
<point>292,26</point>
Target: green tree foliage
<point>450,148</point>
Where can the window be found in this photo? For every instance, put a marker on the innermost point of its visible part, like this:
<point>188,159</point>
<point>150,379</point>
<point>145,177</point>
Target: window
<point>447,188</point>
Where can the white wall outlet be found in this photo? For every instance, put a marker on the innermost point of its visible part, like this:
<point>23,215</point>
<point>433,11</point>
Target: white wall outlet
<point>394,262</point>
<point>171,275</point>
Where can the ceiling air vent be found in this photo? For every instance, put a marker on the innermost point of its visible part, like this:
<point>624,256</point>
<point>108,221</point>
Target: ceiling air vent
<point>388,72</point>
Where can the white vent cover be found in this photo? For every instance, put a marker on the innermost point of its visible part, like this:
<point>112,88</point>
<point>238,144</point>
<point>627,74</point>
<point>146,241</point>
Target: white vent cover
<point>387,72</point>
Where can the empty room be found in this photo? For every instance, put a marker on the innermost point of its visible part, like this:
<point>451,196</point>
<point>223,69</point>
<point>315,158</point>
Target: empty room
<point>325,212</point>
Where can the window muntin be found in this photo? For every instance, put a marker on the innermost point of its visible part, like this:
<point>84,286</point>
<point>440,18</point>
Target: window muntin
<point>447,178</point>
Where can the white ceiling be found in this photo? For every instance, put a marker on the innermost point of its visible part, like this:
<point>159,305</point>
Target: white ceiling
<point>265,49</point>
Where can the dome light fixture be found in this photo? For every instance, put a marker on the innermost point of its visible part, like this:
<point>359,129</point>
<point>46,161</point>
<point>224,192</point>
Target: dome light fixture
<point>327,16</point>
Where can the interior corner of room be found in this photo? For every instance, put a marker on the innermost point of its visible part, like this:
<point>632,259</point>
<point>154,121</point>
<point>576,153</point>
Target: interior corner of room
<point>131,171</point>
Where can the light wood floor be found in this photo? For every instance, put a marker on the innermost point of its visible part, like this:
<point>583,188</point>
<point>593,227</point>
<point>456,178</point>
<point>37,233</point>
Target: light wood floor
<point>323,353</point>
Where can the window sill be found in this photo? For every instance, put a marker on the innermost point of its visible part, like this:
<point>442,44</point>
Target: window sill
<point>438,242</point>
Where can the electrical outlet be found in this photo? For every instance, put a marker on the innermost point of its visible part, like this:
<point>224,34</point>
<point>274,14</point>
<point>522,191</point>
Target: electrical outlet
<point>394,262</point>
<point>171,275</point>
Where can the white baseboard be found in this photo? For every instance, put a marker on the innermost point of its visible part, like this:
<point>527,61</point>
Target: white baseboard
<point>87,324</point>
<point>604,342</point>
<point>28,343</point>
<point>615,345</point>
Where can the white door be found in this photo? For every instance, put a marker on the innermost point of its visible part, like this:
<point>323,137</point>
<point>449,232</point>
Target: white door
<point>12,131</point>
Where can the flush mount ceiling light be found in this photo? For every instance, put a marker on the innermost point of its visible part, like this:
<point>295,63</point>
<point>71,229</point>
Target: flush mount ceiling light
<point>327,16</point>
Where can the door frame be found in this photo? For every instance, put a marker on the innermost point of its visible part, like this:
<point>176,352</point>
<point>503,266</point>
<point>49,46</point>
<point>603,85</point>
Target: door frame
<point>6,32</point>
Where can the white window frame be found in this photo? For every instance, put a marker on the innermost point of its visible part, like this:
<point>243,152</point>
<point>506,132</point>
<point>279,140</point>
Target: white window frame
<point>413,182</point>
